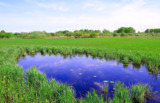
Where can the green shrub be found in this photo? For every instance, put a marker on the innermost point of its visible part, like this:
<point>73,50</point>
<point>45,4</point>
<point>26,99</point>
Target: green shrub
<point>92,35</point>
<point>116,34</point>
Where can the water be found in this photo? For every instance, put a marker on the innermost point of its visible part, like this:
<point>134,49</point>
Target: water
<point>85,73</point>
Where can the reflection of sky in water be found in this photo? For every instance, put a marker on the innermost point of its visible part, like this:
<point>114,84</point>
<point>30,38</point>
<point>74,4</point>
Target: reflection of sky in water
<point>85,73</point>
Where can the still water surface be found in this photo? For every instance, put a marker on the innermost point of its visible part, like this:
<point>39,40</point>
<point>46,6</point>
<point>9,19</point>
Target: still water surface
<point>85,73</point>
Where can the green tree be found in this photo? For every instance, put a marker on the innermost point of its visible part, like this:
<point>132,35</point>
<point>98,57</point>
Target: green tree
<point>152,30</point>
<point>77,34</point>
<point>69,34</point>
<point>106,31</point>
<point>125,30</point>
<point>2,31</point>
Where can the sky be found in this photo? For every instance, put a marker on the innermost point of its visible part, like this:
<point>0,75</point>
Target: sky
<point>55,15</point>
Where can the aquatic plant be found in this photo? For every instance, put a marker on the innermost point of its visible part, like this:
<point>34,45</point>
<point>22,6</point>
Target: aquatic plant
<point>140,92</point>
<point>121,94</point>
<point>92,98</point>
<point>105,89</point>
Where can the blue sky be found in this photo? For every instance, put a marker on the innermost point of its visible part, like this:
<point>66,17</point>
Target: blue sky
<point>54,15</point>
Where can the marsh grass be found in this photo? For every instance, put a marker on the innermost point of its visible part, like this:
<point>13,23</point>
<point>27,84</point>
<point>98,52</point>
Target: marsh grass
<point>92,98</point>
<point>121,94</point>
<point>105,89</point>
<point>125,60</point>
<point>139,93</point>
<point>14,87</point>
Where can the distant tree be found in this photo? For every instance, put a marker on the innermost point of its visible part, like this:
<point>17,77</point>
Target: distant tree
<point>69,34</point>
<point>52,34</point>
<point>125,30</point>
<point>2,34</point>
<point>116,34</point>
<point>92,35</point>
<point>61,33</point>
<point>152,30</point>
<point>106,31</point>
<point>77,34</point>
<point>2,31</point>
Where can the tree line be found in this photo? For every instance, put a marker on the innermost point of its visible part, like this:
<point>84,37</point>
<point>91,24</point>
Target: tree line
<point>83,33</point>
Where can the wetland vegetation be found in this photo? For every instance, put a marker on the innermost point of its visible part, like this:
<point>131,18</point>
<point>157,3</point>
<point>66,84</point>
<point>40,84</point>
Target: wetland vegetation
<point>83,33</point>
<point>15,86</point>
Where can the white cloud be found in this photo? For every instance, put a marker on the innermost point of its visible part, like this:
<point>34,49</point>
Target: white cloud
<point>3,4</point>
<point>52,6</point>
<point>136,15</point>
<point>93,15</point>
<point>95,5</point>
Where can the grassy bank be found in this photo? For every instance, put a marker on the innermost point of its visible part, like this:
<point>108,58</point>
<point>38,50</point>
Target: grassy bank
<point>136,50</point>
<point>15,86</point>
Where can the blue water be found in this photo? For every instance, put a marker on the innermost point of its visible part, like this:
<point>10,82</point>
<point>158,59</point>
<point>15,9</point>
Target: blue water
<point>85,73</point>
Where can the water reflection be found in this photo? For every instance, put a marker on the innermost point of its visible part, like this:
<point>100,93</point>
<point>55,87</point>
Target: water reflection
<point>85,72</point>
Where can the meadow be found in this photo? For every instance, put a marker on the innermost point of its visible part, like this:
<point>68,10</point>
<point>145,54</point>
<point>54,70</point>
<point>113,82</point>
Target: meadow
<point>15,86</point>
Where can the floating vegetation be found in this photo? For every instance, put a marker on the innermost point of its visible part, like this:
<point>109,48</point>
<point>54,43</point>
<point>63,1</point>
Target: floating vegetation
<point>111,81</point>
<point>80,73</point>
<point>79,69</point>
<point>94,76</point>
<point>105,81</point>
<point>140,71</point>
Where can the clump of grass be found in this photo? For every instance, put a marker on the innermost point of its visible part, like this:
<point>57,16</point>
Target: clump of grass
<point>105,89</point>
<point>121,94</point>
<point>35,78</point>
<point>125,60</point>
<point>136,60</point>
<point>92,98</point>
<point>140,92</point>
<point>51,91</point>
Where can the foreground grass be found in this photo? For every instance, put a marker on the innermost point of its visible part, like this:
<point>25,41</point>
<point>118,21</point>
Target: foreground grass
<point>15,86</point>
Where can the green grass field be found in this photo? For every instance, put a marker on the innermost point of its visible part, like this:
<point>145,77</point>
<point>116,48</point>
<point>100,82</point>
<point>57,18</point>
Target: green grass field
<point>15,88</point>
<point>136,44</point>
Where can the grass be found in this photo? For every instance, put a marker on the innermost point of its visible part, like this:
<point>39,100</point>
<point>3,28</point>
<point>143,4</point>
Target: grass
<point>139,92</point>
<point>92,98</point>
<point>121,94</point>
<point>105,89</point>
<point>15,86</point>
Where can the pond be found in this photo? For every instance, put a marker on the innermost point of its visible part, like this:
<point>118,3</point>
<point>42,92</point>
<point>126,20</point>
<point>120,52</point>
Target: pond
<point>86,73</point>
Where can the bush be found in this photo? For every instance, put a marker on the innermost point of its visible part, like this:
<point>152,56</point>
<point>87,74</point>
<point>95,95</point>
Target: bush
<point>77,34</point>
<point>123,34</point>
<point>92,35</point>
<point>116,34</point>
<point>69,34</point>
